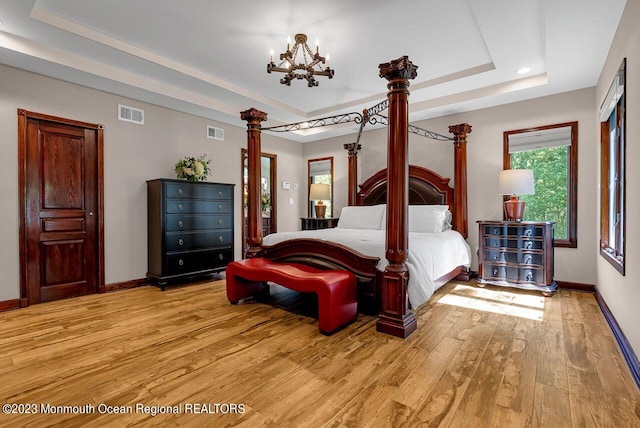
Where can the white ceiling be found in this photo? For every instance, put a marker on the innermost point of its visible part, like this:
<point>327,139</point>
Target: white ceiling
<point>209,58</point>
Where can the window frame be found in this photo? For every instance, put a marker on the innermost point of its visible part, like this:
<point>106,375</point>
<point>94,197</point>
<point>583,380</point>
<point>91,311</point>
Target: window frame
<point>572,176</point>
<point>612,253</point>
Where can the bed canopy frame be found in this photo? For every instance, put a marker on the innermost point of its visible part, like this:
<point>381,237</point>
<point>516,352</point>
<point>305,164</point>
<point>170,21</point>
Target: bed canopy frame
<point>395,316</point>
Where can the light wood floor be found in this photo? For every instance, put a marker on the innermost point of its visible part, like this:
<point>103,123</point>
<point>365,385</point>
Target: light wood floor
<point>481,357</point>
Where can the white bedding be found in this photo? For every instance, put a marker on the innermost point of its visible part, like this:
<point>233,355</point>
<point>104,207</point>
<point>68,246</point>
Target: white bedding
<point>430,255</point>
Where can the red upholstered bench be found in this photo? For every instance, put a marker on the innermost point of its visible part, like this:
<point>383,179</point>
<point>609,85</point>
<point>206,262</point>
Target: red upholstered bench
<point>336,289</point>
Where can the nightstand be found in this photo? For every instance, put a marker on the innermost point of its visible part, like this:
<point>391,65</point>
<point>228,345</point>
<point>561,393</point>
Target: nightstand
<point>516,254</point>
<point>312,223</point>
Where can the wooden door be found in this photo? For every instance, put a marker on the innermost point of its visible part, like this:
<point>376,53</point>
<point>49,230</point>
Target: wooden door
<point>61,214</point>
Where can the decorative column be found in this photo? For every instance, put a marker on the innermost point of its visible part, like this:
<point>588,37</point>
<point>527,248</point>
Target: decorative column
<point>254,202</point>
<point>460,222</point>
<point>395,317</point>
<point>352,150</point>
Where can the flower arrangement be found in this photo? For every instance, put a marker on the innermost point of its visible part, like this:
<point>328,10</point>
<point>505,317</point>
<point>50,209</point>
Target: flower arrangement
<point>193,169</point>
<point>266,200</point>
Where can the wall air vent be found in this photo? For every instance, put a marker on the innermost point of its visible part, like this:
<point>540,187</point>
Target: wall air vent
<point>130,114</point>
<point>215,133</point>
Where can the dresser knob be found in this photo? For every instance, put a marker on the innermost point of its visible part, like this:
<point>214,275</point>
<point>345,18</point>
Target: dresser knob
<point>220,256</point>
<point>220,193</point>
<point>180,241</point>
<point>180,223</point>
<point>495,272</point>
<point>220,207</point>
<point>527,232</point>
<point>527,261</point>
<point>180,207</point>
<point>181,262</point>
<point>220,238</point>
<point>528,245</point>
<point>220,222</point>
<point>180,192</point>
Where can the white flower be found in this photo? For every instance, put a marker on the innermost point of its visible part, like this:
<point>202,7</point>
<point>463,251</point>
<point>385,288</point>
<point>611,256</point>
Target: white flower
<point>199,168</point>
<point>187,171</point>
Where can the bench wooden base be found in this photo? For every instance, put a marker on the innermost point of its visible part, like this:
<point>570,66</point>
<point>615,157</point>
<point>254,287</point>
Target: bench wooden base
<point>336,289</point>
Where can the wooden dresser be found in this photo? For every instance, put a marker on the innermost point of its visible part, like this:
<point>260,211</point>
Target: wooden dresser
<point>516,254</point>
<point>190,229</point>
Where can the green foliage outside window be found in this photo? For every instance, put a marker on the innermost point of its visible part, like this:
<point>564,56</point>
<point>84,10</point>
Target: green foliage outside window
<point>551,180</point>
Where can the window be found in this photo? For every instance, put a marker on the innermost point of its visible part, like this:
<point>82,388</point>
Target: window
<point>612,174</point>
<point>552,153</point>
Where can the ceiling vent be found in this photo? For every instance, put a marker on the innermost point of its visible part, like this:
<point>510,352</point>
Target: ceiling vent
<point>215,133</point>
<point>130,114</point>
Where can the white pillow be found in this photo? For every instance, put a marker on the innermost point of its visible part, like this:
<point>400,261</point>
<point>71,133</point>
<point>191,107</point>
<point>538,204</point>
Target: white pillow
<point>362,217</point>
<point>429,218</point>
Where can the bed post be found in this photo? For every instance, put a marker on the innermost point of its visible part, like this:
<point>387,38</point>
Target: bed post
<point>254,201</point>
<point>352,150</point>
<point>395,317</point>
<point>460,220</point>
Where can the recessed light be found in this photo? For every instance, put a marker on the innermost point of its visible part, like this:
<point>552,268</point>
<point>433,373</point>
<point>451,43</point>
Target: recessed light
<point>523,70</point>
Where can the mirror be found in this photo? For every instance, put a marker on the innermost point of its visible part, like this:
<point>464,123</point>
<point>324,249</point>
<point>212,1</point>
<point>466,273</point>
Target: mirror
<point>268,191</point>
<point>320,172</point>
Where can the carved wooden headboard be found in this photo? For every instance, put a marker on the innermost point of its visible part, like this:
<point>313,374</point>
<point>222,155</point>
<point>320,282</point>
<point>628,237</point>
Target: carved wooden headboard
<point>425,188</point>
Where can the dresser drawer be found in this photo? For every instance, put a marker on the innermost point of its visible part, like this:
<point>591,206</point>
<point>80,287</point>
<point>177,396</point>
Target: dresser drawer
<point>528,259</point>
<point>494,242</point>
<point>197,261</point>
<point>493,229</point>
<point>500,272</point>
<point>179,241</point>
<point>525,231</point>
<point>178,222</point>
<point>525,244</point>
<point>198,191</point>
<point>194,206</point>
<point>500,256</point>
<point>533,275</point>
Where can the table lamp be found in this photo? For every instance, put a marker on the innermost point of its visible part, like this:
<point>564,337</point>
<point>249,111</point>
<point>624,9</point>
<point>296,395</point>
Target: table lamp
<point>318,192</point>
<point>514,182</point>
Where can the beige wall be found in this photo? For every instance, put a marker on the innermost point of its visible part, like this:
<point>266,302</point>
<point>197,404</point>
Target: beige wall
<point>485,161</point>
<point>133,154</point>
<point>622,293</point>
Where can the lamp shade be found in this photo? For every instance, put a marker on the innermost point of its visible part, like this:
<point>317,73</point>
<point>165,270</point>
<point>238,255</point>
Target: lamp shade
<point>319,192</point>
<point>516,182</point>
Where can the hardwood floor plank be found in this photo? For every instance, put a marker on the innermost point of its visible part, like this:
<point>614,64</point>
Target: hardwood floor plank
<point>518,383</point>
<point>575,343</point>
<point>417,386</point>
<point>588,404</point>
<point>551,407</point>
<point>552,366</point>
<point>474,332</point>
<point>481,396</point>
<point>443,401</point>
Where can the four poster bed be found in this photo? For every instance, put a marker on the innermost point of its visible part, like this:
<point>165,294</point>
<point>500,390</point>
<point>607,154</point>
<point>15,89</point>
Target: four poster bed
<point>390,196</point>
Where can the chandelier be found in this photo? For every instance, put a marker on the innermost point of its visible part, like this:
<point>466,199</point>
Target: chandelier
<point>301,63</point>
